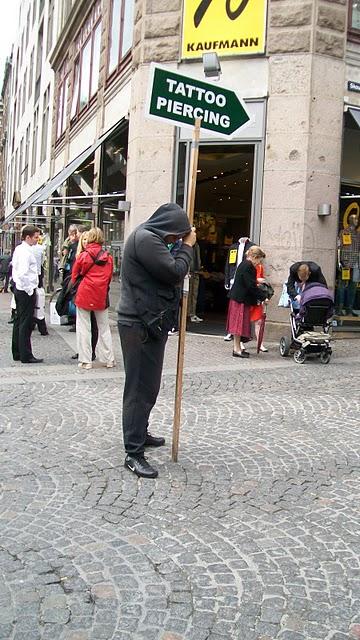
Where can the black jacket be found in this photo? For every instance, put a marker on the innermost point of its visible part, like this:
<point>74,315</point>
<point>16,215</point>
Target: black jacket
<point>150,274</point>
<point>244,288</point>
<point>231,261</point>
<point>316,275</point>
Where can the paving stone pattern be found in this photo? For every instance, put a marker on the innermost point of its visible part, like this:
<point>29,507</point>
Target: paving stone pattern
<point>253,535</point>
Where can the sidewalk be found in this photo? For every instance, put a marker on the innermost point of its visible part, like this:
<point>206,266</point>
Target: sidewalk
<point>252,535</point>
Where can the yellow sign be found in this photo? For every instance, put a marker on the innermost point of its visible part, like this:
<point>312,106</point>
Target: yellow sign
<point>346,238</point>
<point>233,256</point>
<point>227,27</point>
<point>345,274</point>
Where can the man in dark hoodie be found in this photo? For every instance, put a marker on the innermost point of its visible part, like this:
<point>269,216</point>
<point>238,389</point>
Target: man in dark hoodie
<point>147,310</point>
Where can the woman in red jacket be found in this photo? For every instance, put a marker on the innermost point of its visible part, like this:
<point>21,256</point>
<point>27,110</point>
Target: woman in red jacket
<point>95,268</point>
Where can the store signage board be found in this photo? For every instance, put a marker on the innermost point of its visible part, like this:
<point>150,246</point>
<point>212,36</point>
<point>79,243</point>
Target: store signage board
<point>228,27</point>
<point>178,99</point>
<point>353,86</point>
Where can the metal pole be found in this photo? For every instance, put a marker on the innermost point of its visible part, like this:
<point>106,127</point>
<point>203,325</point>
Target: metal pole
<point>184,303</point>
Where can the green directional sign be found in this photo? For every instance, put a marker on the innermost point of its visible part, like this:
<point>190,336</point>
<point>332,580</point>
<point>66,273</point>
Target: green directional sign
<point>179,100</point>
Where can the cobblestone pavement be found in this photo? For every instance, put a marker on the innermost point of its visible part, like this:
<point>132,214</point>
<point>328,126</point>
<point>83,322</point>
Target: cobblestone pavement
<point>253,535</point>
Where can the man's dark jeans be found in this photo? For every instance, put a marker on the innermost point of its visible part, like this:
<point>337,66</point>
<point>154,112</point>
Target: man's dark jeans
<point>143,362</point>
<point>22,327</point>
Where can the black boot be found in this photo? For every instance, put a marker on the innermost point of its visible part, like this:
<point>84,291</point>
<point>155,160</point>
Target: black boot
<point>140,466</point>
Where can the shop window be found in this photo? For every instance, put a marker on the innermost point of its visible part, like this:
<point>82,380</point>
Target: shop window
<point>113,180</point>
<point>121,32</point>
<point>80,186</point>
<point>87,64</point>
<point>63,90</point>
<point>354,20</point>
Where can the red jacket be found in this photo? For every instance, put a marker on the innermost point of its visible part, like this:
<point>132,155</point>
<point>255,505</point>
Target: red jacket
<point>93,288</point>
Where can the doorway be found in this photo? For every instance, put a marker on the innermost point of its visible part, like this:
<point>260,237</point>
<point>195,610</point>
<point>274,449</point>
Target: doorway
<point>223,214</point>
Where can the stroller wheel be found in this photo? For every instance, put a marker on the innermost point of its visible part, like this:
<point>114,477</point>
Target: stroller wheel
<point>325,357</point>
<point>284,346</point>
<point>300,356</point>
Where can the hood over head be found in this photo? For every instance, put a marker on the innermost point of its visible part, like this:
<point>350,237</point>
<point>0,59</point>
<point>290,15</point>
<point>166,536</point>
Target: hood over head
<point>168,220</point>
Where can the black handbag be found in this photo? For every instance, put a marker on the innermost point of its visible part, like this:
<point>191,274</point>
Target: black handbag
<point>267,289</point>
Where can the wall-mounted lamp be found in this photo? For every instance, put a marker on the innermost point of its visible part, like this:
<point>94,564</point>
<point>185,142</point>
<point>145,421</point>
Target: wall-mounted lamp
<point>324,209</point>
<point>124,205</point>
<point>211,64</point>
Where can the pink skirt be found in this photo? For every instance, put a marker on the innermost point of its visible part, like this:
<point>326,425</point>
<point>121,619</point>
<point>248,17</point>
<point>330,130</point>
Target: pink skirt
<point>238,320</point>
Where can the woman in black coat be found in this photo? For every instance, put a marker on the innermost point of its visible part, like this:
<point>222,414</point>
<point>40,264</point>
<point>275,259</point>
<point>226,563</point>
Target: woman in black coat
<point>244,294</point>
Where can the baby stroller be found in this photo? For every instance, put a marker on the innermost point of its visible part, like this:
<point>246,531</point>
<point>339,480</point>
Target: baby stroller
<point>316,309</point>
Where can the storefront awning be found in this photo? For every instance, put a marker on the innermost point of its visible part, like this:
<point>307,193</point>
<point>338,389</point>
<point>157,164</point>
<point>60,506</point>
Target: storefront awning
<point>43,193</point>
<point>356,115</point>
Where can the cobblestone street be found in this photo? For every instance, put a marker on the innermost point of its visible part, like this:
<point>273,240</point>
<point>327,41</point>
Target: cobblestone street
<point>253,535</point>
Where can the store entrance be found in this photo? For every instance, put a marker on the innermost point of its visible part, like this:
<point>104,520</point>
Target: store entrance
<point>223,206</point>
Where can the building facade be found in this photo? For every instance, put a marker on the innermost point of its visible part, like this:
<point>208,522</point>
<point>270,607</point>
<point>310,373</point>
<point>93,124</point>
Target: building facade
<point>289,181</point>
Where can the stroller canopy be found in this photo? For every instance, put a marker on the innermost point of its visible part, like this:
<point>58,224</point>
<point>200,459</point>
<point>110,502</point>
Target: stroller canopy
<point>315,291</point>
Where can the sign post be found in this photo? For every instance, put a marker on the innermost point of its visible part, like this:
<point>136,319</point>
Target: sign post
<point>188,102</point>
<point>183,310</point>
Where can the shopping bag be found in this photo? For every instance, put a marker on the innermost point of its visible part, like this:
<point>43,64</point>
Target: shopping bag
<point>284,297</point>
<point>54,316</point>
<point>39,312</point>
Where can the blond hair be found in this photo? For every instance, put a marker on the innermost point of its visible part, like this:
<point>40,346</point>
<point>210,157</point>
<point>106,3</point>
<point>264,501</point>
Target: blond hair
<point>303,271</point>
<point>81,247</point>
<point>255,252</point>
<point>95,235</point>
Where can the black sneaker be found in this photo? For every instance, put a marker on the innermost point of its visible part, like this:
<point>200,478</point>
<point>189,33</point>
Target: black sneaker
<point>140,466</point>
<point>153,441</point>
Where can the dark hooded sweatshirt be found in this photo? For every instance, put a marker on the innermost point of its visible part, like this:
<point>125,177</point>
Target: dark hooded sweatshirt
<point>150,274</point>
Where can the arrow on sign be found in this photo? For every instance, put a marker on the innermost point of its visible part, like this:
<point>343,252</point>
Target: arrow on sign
<point>179,99</point>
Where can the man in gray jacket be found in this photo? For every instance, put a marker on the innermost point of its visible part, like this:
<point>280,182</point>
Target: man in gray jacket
<point>150,278</point>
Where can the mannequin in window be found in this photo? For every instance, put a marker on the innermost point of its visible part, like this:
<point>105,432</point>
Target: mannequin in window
<point>348,266</point>
<point>235,256</point>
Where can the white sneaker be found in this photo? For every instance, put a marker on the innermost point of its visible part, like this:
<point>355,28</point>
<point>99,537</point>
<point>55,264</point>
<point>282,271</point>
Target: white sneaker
<point>228,337</point>
<point>196,319</point>
<point>85,365</point>
<point>173,332</point>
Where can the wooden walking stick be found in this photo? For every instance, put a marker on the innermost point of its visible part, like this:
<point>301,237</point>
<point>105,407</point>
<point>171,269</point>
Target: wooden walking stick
<point>183,311</point>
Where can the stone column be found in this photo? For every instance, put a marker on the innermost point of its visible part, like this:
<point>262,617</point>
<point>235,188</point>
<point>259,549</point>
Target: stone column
<point>306,46</point>
<point>151,144</point>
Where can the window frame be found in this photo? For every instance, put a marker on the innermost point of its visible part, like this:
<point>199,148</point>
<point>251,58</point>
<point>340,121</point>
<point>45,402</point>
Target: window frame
<point>26,154</point>
<point>62,100</point>
<point>45,121</point>
<point>85,35</point>
<point>121,62</point>
<point>353,34</point>
<point>35,141</point>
